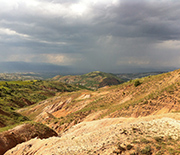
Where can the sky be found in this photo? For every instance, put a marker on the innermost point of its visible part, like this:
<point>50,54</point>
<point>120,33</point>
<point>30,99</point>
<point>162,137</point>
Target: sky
<point>86,35</point>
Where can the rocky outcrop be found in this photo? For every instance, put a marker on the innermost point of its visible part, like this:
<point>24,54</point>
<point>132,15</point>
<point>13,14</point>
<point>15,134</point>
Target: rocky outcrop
<point>56,106</point>
<point>102,137</point>
<point>22,133</point>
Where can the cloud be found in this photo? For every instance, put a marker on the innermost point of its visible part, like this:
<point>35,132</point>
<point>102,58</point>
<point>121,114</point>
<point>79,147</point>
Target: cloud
<point>103,35</point>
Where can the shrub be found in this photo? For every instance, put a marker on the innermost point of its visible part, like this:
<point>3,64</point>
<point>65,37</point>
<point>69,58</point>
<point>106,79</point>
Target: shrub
<point>146,150</point>
<point>129,147</point>
<point>137,83</point>
<point>145,141</point>
<point>158,139</point>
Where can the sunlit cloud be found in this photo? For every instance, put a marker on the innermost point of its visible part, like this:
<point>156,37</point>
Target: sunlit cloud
<point>7,31</point>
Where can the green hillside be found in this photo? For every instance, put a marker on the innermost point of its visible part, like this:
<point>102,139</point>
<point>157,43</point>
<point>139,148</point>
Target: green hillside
<point>92,80</point>
<point>18,94</point>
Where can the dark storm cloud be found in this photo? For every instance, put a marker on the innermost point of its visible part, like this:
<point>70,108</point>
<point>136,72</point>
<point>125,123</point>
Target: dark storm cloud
<point>95,35</point>
<point>157,20</point>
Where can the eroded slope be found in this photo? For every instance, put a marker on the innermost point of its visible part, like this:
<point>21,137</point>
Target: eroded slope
<point>153,95</point>
<point>22,133</point>
<point>111,136</point>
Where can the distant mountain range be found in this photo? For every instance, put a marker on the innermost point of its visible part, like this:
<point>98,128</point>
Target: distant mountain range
<point>109,79</point>
<point>20,66</point>
<point>14,67</point>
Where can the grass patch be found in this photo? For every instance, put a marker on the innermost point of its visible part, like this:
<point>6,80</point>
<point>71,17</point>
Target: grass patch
<point>144,140</point>
<point>147,150</point>
<point>12,126</point>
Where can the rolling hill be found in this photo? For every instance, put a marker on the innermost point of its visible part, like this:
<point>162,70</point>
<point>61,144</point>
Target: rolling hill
<point>18,94</point>
<point>92,80</point>
<point>20,76</point>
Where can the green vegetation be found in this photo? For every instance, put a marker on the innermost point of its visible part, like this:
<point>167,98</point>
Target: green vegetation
<point>158,139</point>
<point>129,147</point>
<point>20,76</point>
<point>18,94</point>
<point>144,140</point>
<point>137,83</point>
<point>150,145</point>
<point>92,80</point>
<point>2,129</point>
<point>147,150</point>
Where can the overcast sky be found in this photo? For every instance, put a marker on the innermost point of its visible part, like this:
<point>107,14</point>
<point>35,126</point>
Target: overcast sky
<point>88,35</point>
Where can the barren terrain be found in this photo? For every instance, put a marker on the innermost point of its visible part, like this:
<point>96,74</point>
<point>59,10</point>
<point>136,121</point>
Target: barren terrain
<point>110,136</point>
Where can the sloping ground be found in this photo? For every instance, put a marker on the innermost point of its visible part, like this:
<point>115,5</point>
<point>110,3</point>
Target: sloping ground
<point>152,96</point>
<point>130,76</point>
<point>18,94</point>
<point>92,80</point>
<point>148,135</point>
<point>138,117</point>
<point>22,133</point>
